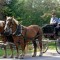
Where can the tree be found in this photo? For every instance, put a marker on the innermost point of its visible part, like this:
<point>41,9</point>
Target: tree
<point>33,11</point>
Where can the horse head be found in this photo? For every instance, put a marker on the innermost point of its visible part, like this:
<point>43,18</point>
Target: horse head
<point>10,24</point>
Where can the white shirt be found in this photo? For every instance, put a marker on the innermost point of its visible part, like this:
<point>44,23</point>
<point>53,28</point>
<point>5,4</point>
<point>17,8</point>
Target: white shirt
<point>54,20</point>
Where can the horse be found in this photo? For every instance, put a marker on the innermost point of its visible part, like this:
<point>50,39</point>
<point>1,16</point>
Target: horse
<point>24,34</point>
<point>5,38</point>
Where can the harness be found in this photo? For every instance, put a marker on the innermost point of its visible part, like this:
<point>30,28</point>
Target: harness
<point>18,31</point>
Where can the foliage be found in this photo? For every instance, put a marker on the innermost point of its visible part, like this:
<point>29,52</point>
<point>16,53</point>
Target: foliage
<point>33,11</point>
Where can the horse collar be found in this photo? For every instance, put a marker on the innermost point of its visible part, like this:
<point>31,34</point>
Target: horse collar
<point>18,31</point>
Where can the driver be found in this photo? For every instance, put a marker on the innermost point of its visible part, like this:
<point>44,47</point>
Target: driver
<point>54,20</point>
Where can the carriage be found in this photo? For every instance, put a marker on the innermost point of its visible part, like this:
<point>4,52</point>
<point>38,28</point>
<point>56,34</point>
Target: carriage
<point>50,36</point>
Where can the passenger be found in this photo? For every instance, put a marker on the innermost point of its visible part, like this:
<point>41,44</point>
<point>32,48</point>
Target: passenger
<point>54,20</point>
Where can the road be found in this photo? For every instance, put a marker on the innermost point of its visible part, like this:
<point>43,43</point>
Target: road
<point>49,55</point>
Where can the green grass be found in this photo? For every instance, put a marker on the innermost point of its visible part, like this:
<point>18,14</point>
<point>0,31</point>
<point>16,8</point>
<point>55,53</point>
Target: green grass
<point>52,46</point>
<point>8,52</point>
<point>1,52</point>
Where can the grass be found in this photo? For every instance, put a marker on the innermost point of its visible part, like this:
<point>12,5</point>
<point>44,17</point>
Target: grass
<point>52,46</point>
<point>8,52</point>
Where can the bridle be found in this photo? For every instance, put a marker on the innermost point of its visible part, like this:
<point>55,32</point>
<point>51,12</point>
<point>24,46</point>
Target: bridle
<point>18,30</point>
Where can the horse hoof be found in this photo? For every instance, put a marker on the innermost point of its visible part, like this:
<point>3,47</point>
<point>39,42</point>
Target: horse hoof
<point>34,56</point>
<point>40,55</point>
<point>4,56</point>
<point>11,56</point>
<point>16,57</point>
<point>21,58</point>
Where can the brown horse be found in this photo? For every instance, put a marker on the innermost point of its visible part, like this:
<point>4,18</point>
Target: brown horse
<point>4,38</point>
<point>2,23</point>
<point>23,35</point>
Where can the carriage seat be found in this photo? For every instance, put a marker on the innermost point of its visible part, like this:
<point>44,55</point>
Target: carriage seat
<point>48,28</point>
<point>48,31</point>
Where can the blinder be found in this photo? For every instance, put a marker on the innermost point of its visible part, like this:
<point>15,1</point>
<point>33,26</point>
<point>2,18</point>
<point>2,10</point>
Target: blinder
<point>8,32</point>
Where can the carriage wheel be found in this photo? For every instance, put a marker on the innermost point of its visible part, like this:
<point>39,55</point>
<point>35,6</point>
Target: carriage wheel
<point>58,46</point>
<point>45,46</point>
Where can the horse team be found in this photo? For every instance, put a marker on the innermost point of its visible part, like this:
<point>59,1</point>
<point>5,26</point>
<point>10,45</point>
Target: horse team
<point>12,31</point>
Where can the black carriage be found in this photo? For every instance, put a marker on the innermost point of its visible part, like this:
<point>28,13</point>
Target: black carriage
<point>49,32</point>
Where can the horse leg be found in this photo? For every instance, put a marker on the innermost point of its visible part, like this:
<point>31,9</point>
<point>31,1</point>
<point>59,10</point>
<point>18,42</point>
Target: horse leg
<point>40,45</point>
<point>17,50</point>
<point>23,54</point>
<point>4,41</point>
<point>23,45</point>
<point>11,51</point>
<point>35,48</point>
<point>5,53</point>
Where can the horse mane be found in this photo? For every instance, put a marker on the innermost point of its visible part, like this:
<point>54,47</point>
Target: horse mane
<point>15,21</point>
